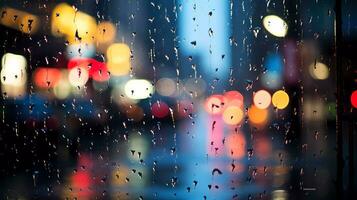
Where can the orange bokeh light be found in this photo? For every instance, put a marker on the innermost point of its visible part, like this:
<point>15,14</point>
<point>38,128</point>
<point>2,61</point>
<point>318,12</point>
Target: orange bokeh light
<point>47,77</point>
<point>257,116</point>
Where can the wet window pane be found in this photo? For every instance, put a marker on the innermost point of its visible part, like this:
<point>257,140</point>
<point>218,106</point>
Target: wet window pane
<point>179,99</point>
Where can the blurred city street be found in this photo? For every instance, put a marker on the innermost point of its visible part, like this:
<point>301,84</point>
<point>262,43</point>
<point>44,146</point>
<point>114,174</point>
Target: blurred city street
<point>178,99</point>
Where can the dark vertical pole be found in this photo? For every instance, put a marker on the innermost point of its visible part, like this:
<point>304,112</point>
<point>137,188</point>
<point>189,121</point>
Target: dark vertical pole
<point>339,95</point>
<point>351,171</point>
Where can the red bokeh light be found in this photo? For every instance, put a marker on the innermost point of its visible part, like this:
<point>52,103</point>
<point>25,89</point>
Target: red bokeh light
<point>160,109</point>
<point>97,70</point>
<point>231,95</point>
<point>81,180</point>
<point>234,98</point>
<point>47,77</point>
<point>354,98</point>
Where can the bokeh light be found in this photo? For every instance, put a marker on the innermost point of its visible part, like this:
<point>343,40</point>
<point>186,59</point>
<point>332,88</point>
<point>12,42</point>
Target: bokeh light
<point>138,89</point>
<point>275,25</point>
<point>63,89</point>
<point>62,18</point>
<point>119,69</point>
<point>233,115</point>
<point>279,195</point>
<point>118,56</point>
<point>233,98</point>
<point>29,23</point>
<point>13,70</point>
<point>7,17</point>
<point>165,87</point>
<point>118,53</point>
<point>106,32</point>
<point>215,104</point>
<point>236,145</point>
<point>280,99</point>
<point>20,20</point>
<point>47,77</point>
<point>97,70</point>
<point>354,99</point>
<point>319,71</point>
<point>233,95</point>
<point>78,76</point>
<point>77,26</point>
<point>160,109</point>
<point>262,99</point>
<point>81,182</point>
<point>257,116</point>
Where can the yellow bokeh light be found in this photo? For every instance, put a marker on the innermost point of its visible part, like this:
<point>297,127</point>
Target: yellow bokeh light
<point>19,20</point>
<point>275,25</point>
<point>118,53</point>
<point>29,24</point>
<point>8,18</point>
<point>257,116</point>
<point>233,115</point>
<point>77,26</point>
<point>319,71</point>
<point>118,56</point>
<point>262,99</point>
<point>62,19</point>
<point>280,99</point>
<point>106,32</point>
<point>119,69</point>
